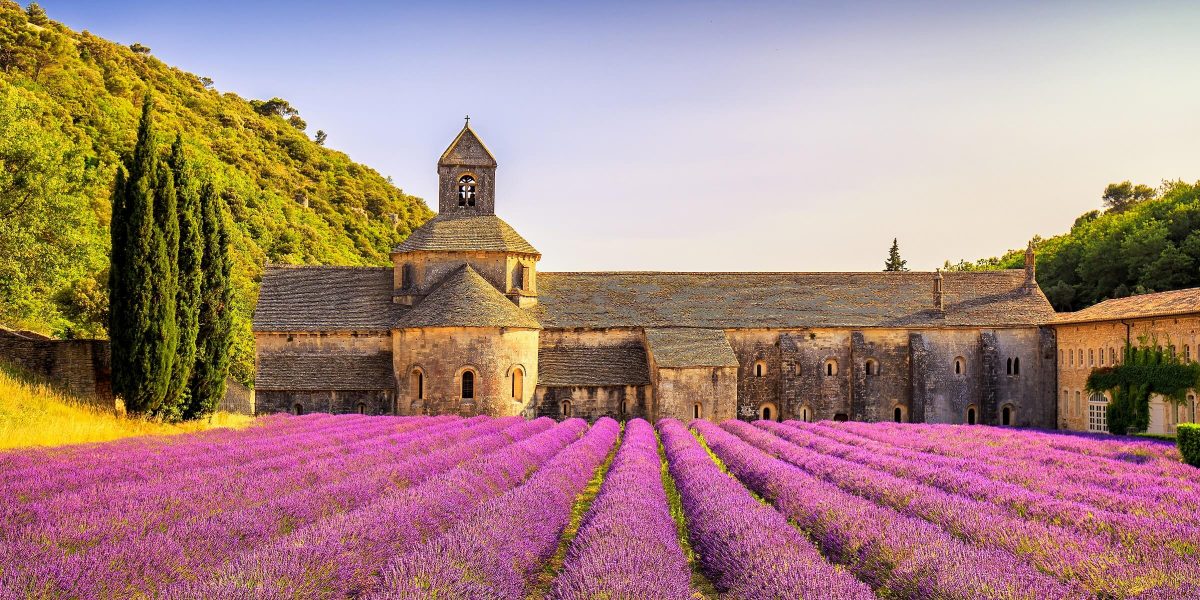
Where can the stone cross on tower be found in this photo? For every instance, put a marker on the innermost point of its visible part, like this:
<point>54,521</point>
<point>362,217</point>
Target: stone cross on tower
<point>467,176</point>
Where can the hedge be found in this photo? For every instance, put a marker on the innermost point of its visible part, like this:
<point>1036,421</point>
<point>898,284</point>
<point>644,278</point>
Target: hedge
<point>1187,436</point>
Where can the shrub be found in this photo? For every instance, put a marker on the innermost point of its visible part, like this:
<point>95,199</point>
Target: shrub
<point>1187,436</point>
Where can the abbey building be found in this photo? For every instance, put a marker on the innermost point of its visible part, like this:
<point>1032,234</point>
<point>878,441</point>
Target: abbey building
<point>464,323</point>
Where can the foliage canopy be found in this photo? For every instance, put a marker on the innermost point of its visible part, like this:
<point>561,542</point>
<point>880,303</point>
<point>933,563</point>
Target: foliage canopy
<point>69,108</point>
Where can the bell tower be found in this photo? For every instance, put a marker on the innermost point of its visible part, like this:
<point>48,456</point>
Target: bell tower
<point>467,176</point>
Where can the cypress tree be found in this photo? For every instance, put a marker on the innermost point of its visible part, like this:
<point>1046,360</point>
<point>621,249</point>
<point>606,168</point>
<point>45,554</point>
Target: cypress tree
<point>163,332</point>
<point>215,336</point>
<point>191,250</point>
<point>117,268</point>
<point>140,350</point>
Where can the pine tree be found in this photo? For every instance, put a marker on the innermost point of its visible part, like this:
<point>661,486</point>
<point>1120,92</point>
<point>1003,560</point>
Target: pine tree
<point>191,250</point>
<point>215,337</point>
<point>142,341</point>
<point>894,262</point>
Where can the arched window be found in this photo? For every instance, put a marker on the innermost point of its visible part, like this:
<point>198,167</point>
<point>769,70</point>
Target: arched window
<point>760,369</point>
<point>297,409</point>
<point>971,415</point>
<point>960,365</point>
<point>871,367</point>
<point>466,190</point>
<point>1007,415</point>
<point>468,385</point>
<point>830,368</point>
<point>564,409</point>
<point>1187,353</point>
<point>1017,366</point>
<point>1009,368</point>
<point>623,408</point>
<point>416,382</point>
<point>518,384</point>
<point>898,414</point>
<point>696,412</point>
<point>806,414</point>
<point>1112,356</point>
<point>1091,357</point>
<point>1062,359</point>
<point>362,408</point>
<point>1081,358</point>
<point>841,417</point>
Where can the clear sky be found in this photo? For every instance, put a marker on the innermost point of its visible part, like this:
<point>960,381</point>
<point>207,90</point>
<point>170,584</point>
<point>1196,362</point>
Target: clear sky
<point>725,135</point>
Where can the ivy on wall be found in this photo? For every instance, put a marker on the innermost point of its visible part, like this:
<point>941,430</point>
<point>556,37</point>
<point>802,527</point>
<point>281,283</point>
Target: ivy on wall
<point>1146,369</point>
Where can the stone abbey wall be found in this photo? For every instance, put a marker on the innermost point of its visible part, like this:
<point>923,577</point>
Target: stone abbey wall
<point>430,364</point>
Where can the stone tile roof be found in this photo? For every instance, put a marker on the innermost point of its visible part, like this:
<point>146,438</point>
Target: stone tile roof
<point>466,299</point>
<point>467,149</point>
<point>450,232</point>
<point>326,299</point>
<point>786,300</point>
<point>1161,304</point>
<point>593,365</point>
<point>325,372</point>
<point>677,347</point>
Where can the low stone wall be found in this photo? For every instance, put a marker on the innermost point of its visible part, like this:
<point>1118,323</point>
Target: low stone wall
<point>82,368</point>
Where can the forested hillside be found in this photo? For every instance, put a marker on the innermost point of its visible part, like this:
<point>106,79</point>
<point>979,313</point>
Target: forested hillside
<point>69,106</point>
<point>1146,240</point>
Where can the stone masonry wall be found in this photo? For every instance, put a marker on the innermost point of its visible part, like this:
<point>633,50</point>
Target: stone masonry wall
<point>442,354</point>
<point>592,402</point>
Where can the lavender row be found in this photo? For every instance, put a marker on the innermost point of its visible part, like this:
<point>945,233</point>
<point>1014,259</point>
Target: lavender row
<point>1099,565</point>
<point>186,544</point>
<point>627,545</point>
<point>497,551</point>
<point>133,464</point>
<point>1128,529</point>
<point>903,555</point>
<point>343,555</point>
<point>1145,501</point>
<point>1108,462</point>
<point>230,473</point>
<point>749,550</point>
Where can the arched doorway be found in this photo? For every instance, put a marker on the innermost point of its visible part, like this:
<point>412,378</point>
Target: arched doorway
<point>768,412</point>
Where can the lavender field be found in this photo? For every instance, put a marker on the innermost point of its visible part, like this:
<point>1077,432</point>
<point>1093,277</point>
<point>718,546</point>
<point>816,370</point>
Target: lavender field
<point>325,506</point>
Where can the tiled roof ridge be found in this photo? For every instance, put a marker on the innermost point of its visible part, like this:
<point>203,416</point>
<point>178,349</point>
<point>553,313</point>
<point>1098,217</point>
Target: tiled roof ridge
<point>883,273</point>
<point>1136,302</point>
<point>330,267</point>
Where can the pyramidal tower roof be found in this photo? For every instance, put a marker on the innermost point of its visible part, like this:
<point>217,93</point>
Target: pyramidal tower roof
<point>467,150</point>
<point>466,299</point>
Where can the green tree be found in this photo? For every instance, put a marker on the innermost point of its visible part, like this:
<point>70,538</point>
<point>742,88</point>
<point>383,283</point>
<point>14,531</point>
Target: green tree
<point>215,339</point>
<point>1119,197</point>
<point>141,321</point>
<point>894,262</point>
<point>191,251</point>
<point>321,137</point>
<point>37,15</point>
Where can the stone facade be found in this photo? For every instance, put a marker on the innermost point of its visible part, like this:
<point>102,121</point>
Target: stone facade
<point>1094,338</point>
<point>464,299</point>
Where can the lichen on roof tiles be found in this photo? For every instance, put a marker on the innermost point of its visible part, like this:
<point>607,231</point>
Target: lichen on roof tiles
<point>325,372</point>
<point>681,347</point>
<point>786,300</point>
<point>566,366</point>
<point>1158,304</point>
<point>464,233</point>
<point>326,299</point>
<point>466,299</point>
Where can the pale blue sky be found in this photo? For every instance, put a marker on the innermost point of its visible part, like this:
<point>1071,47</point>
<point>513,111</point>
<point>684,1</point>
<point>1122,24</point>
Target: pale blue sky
<point>725,135</point>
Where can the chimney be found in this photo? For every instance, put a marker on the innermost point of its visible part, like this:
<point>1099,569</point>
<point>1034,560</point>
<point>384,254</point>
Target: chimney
<point>938,301</point>
<point>1030,270</point>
